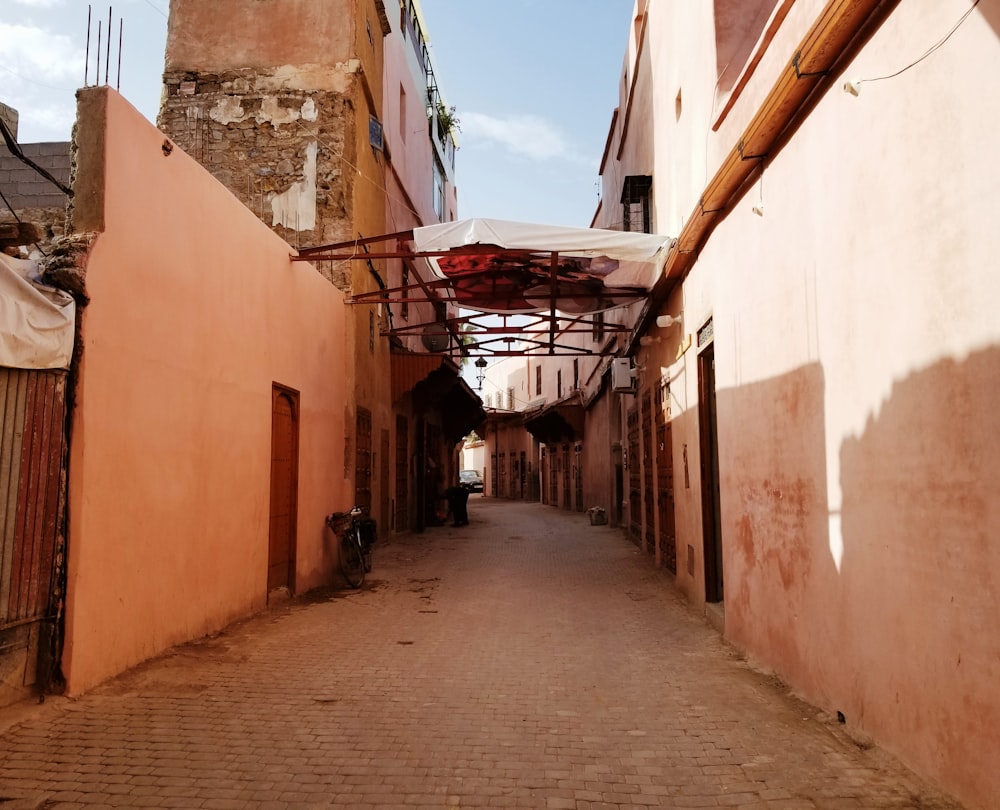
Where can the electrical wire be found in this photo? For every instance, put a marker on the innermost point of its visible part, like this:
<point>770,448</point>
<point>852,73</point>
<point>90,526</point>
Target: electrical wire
<point>157,9</point>
<point>929,51</point>
<point>39,84</point>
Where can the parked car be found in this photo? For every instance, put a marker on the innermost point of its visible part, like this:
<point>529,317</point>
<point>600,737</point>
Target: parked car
<point>470,480</point>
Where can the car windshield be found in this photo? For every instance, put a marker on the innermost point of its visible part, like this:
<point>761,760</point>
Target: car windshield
<point>468,475</point>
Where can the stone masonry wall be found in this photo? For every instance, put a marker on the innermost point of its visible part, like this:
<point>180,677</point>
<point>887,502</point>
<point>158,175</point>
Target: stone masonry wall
<point>280,150</point>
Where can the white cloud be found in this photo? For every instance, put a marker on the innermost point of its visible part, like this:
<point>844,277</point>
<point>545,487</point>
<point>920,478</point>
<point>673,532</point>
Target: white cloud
<point>39,56</point>
<point>527,135</point>
<point>41,3</point>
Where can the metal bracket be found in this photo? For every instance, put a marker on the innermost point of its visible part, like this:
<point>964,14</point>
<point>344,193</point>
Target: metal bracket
<point>799,74</point>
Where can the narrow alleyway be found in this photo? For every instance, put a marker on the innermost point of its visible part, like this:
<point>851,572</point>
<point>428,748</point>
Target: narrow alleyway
<point>526,660</point>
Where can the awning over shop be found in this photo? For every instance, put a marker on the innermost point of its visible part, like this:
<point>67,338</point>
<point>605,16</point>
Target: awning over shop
<point>435,383</point>
<point>410,369</point>
<point>557,423</point>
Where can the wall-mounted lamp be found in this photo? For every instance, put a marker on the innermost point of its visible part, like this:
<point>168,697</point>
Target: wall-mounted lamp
<point>665,321</point>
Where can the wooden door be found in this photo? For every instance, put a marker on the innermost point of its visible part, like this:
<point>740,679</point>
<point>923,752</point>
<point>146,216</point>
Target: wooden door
<point>402,515</point>
<point>363,460</point>
<point>284,488</point>
<point>634,480</point>
<point>383,478</point>
<point>649,504</point>
<point>578,477</point>
<point>567,467</point>
<point>709,447</point>
<point>665,479</point>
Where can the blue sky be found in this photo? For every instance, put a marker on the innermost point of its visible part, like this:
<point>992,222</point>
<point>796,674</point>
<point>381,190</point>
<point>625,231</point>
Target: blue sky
<point>534,83</point>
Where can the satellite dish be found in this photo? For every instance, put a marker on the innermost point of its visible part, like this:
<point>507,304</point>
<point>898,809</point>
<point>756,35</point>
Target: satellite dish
<point>435,337</point>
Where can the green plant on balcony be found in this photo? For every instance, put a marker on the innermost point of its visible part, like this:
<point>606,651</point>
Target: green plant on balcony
<point>447,119</point>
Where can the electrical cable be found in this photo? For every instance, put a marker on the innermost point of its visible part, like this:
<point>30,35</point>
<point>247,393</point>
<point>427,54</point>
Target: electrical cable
<point>929,51</point>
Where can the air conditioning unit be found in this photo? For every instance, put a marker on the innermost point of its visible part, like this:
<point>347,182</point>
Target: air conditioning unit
<point>622,376</point>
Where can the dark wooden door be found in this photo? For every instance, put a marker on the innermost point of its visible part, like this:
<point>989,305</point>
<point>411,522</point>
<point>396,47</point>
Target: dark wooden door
<point>634,480</point>
<point>383,478</point>
<point>709,446</point>
<point>665,479</point>
<point>578,477</point>
<point>649,505</point>
<point>567,492</point>
<point>363,460</point>
<point>284,488</point>
<point>402,517</point>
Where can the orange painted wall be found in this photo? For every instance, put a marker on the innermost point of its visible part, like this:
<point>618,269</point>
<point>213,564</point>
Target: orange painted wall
<point>195,310</point>
<point>218,35</point>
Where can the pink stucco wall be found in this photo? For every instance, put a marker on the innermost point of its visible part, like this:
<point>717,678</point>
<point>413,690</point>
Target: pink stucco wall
<point>195,310</point>
<point>857,367</point>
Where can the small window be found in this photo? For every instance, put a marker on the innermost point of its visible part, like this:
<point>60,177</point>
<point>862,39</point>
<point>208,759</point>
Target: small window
<point>404,282</point>
<point>510,399</point>
<point>559,384</point>
<point>636,207</point>
<point>598,327</point>
<point>439,203</point>
<point>538,380</point>
<point>371,331</point>
<point>375,133</point>
<point>576,373</point>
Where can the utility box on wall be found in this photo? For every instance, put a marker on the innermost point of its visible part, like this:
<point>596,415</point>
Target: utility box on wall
<point>622,376</point>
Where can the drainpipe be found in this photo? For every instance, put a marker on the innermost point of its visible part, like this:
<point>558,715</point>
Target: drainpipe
<point>837,34</point>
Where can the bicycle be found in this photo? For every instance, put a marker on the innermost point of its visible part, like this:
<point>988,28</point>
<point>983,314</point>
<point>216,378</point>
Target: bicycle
<point>356,536</point>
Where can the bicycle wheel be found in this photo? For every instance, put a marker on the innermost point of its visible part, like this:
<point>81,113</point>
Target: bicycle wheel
<point>367,556</point>
<point>352,562</point>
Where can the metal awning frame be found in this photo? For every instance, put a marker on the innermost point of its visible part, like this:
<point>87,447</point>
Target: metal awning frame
<point>477,334</point>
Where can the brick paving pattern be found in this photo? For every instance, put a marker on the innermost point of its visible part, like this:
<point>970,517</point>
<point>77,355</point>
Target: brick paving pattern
<point>529,660</point>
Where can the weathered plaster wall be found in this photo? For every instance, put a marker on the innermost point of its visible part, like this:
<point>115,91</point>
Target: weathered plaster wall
<point>195,310</point>
<point>251,33</point>
<point>279,147</point>
<point>856,359</point>
<point>280,114</point>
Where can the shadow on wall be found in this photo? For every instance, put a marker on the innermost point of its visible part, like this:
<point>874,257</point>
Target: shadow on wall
<point>921,529</point>
<point>887,610</point>
<point>781,583</point>
<point>990,9</point>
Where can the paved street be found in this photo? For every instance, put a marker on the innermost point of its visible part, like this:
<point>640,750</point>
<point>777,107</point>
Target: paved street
<point>526,660</point>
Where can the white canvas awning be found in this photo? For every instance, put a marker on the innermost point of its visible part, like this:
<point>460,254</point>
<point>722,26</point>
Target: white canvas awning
<point>501,266</point>
<point>491,267</point>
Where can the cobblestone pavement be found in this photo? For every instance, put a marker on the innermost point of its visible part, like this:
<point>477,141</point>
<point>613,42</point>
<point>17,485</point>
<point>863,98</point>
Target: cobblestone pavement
<point>527,660</point>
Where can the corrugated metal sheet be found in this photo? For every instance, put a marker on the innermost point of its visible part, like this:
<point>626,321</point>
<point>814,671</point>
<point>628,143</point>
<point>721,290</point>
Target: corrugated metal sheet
<point>32,443</point>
